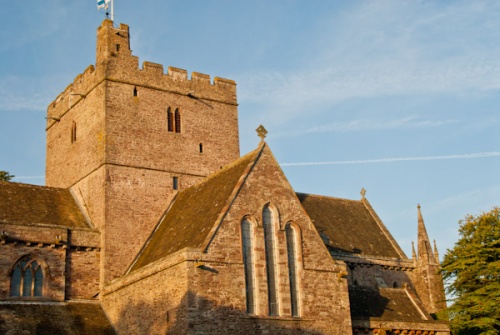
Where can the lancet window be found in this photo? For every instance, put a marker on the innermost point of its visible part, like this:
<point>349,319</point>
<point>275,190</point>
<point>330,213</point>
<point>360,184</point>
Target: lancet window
<point>27,278</point>
<point>247,236</point>
<point>268,222</point>
<point>292,244</point>
<point>173,120</point>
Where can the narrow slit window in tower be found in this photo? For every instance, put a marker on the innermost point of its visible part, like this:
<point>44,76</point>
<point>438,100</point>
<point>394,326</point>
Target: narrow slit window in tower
<point>73,132</point>
<point>175,183</point>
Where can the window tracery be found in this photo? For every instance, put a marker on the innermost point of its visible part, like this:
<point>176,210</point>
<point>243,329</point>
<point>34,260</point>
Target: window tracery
<point>27,278</point>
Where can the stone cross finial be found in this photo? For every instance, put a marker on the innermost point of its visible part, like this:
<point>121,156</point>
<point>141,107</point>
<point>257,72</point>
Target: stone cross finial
<point>262,132</point>
<point>363,193</point>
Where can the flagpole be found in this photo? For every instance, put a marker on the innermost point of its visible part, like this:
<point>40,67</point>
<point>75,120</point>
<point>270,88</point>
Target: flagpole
<point>112,11</point>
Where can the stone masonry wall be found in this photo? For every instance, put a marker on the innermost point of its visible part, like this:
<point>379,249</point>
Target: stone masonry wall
<point>218,287</point>
<point>70,258</point>
<point>41,245</point>
<point>68,159</point>
<point>152,300</point>
<point>82,274</point>
<point>135,201</point>
<point>137,134</point>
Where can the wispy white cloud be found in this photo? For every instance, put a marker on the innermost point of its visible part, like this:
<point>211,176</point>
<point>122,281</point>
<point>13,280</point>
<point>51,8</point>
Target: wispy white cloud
<point>408,122</point>
<point>400,159</point>
<point>414,48</point>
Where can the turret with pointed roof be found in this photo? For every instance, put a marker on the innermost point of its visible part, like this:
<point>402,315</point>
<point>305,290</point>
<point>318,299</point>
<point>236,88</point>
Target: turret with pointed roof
<point>429,282</point>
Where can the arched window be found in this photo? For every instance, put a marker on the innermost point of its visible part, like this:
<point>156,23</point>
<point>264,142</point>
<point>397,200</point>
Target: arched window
<point>291,247</point>
<point>170,120</point>
<point>27,278</point>
<point>272,278</point>
<point>249,264</point>
<point>177,121</point>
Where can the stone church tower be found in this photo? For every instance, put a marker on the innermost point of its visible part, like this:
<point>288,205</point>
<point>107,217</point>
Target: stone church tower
<point>125,140</point>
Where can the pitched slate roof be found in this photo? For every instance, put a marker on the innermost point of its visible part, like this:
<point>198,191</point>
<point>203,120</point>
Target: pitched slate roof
<point>194,212</point>
<point>391,304</point>
<point>32,204</point>
<point>58,318</point>
<point>347,226</point>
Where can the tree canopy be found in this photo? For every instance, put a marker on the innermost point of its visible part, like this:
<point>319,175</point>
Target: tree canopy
<point>5,176</point>
<point>472,273</point>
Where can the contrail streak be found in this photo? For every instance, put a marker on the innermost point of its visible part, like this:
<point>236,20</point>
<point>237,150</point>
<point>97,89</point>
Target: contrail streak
<point>400,159</point>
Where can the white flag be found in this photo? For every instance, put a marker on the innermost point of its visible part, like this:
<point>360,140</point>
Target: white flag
<point>102,4</point>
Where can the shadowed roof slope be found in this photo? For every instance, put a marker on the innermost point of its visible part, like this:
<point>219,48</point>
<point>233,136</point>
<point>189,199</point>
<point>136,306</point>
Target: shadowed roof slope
<point>194,212</point>
<point>347,226</point>
<point>32,204</point>
<point>49,319</point>
<point>391,304</point>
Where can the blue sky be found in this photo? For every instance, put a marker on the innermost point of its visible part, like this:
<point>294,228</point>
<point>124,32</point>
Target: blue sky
<point>401,98</point>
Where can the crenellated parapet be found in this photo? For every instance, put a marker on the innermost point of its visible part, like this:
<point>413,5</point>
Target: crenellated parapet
<point>79,89</point>
<point>175,80</point>
<point>115,62</point>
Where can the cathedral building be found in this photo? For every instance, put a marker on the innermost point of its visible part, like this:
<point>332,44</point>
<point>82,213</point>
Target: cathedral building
<point>151,222</point>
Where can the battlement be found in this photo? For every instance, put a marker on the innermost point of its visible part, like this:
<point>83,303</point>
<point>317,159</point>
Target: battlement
<point>115,62</point>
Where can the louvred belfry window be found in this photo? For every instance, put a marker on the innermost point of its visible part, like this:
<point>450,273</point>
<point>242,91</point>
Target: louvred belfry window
<point>170,120</point>
<point>27,278</point>
<point>177,121</point>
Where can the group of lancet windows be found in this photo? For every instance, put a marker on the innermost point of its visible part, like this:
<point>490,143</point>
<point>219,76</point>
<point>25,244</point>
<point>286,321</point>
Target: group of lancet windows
<point>173,120</point>
<point>27,278</point>
<point>248,234</point>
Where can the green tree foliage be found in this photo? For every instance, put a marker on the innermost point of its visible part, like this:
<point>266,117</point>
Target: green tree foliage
<point>4,175</point>
<point>472,272</point>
